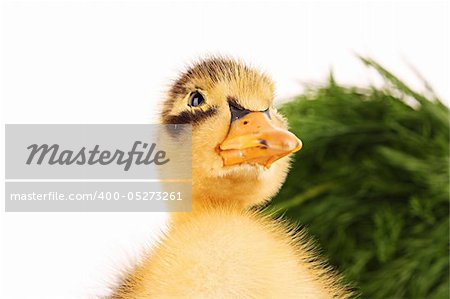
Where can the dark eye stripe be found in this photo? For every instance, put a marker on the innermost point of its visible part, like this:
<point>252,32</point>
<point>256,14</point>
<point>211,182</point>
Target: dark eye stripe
<point>190,117</point>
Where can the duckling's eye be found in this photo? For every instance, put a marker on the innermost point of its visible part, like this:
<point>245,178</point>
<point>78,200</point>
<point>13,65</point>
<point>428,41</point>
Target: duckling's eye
<point>196,99</point>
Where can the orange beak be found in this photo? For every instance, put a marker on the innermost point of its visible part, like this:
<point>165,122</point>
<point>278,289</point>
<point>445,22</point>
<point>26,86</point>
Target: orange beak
<point>254,139</point>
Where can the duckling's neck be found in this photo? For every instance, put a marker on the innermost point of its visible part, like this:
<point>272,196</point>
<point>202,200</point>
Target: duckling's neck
<point>203,203</point>
<point>225,193</point>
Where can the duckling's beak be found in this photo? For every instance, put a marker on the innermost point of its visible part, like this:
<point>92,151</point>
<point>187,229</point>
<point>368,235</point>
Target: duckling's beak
<point>254,139</point>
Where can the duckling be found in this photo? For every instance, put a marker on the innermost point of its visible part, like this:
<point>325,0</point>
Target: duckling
<point>240,158</point>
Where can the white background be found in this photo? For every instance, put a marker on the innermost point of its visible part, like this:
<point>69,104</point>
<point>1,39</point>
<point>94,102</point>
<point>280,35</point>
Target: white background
<point>110,62</point>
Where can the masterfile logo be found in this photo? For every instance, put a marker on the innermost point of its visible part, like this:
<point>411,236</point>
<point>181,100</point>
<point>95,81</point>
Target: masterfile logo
<point>98,168</point>
<point>54,155</point>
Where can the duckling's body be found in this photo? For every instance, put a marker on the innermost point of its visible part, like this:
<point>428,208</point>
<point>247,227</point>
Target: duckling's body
<point>223,249</point>
<point>230,253</point>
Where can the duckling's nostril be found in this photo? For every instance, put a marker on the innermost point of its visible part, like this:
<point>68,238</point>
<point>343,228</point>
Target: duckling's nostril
<point>263,142</point>
<point>245,122</point>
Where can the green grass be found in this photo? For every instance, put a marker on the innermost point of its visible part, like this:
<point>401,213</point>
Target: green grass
<point>372,184</point>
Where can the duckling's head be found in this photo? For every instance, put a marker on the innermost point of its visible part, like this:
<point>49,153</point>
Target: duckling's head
<point>240,143</point>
